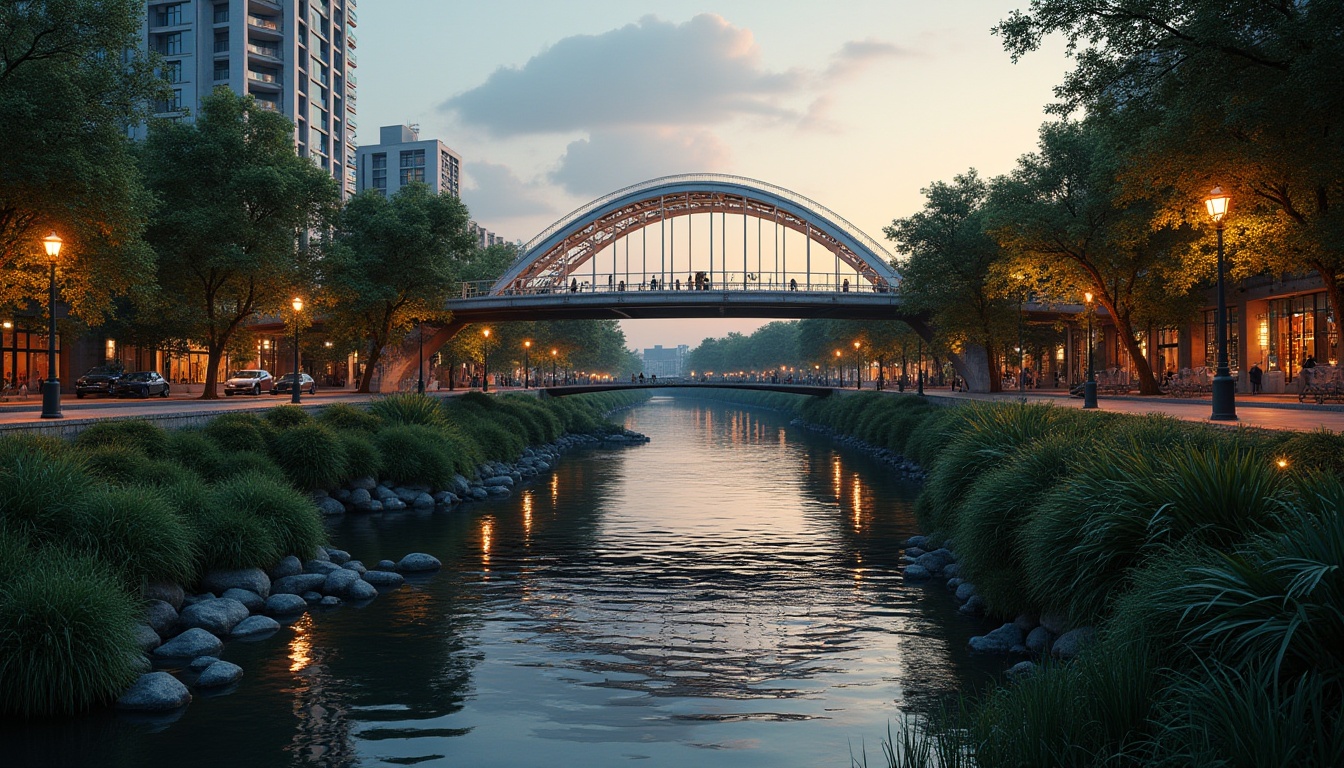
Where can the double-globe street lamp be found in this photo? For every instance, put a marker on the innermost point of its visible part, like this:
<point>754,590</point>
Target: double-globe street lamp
<point>1089,386</point>
<point>485,361</point>
<point>51,388</point>
<point>1224,388</point>
<point>295,393</point>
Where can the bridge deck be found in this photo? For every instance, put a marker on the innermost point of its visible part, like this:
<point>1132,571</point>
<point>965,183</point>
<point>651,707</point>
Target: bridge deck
<point>645,304</point>
<point>795,389</point>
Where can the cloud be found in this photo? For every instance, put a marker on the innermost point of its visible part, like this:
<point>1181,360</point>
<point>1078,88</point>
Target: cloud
<point>609,160</point>
<point>493,191</point>
<point>857,55</point>
<point>651,73</point>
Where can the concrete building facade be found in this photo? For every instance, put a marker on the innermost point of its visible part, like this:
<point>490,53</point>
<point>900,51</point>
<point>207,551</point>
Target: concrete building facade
<point>401,157</point>
<point>665,362</point>
<point>296,57</point>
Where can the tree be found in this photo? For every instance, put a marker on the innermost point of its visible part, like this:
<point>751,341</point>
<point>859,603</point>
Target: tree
<point>238,205</point>
<point>394,262</point>
<point>1063,217</point>
<point>948,273</point>
<point>1242,93</point>
<point>68,91</point>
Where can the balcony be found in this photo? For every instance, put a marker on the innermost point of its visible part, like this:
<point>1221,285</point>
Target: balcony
<point>222,46</point>
<point>352,17</point>
<point>262,23</point>
<point>269,51</point>
<point>350,39</point>
<point>265,78</point>
<point>352,59</point>
<point>221,74</point>
<point>269,106</point>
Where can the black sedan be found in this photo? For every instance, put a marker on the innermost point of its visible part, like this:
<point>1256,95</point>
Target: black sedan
<point>286,383</point>
<point>141,384</point>
<point>98,381</point>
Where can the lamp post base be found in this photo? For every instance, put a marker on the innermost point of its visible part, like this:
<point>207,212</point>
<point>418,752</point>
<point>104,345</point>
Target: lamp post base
<point>1224,398</point>
<point>51,399</point>
<point>1089,394</point>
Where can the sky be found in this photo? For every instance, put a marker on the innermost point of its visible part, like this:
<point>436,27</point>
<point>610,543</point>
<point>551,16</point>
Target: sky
<point>857,104</point>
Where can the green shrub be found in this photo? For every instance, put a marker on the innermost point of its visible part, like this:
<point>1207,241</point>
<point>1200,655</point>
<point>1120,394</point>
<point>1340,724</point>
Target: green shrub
<point>1318,451</point>
<point>291,518</point>
<point>192,449</point>
<point>416,453</point>
<point>234,538</point>
<point>187,500</point>
<point>28,442</point>
<point>39,490</point>
<point>66,636</point>
<point>125,466</point>
<point>136,531</point>
<point>548,424</point>
<point>310,455</point>
<point>486,431</point>
<point>362,457</point>
<point>137,434</point>
<point>408,408</point>
<point>245,463</point>
<point>934,433</point>
<point>286,416</point>
<point>343,416</point>
<point>239,432</point>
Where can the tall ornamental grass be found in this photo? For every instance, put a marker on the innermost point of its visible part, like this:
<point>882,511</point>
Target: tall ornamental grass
<point>142,436</point>
<point>239,432</point>
<point>310,455</point>
<point>291,518</point>
<point>136,531</point>
<point>409,408</point>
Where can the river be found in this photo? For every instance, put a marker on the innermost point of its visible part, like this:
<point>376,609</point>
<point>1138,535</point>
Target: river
<point>727,595</point>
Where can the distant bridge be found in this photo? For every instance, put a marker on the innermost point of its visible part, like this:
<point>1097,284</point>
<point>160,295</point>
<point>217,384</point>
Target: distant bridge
<point>793,389</point>
<point>683,246</point>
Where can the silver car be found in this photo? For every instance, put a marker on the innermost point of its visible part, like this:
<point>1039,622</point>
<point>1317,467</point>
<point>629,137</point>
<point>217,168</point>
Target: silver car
<point>250,382</point>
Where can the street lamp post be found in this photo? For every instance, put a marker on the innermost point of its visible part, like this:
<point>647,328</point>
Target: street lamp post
<point>1089,386</point>
<point>839,369</point>
<point>1224,388</point>
<point>295,395</point>
<point>8,326</point>
<point>1021,351</point>
<point>527,347</point>
<point>51,388</point>
<point>485,361</point>
<point>858,367</point>
<point>554,354</point>
<point>919,372</point>
<point>420,340</point>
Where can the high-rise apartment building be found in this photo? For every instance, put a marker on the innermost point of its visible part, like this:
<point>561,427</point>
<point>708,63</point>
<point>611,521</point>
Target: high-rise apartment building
<point>296,57</point>
<point>401,157</point>
<point>666,362</point>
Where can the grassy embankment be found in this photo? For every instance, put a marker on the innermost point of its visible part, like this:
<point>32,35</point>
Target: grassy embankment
<point>1211,561</point>
<point>84,525</point>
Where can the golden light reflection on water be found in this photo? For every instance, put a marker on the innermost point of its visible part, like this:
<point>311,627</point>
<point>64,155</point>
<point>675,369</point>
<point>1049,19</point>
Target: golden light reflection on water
<point>857,502</point>
<point>555,490</point>
<point>301,646</point>
<point>527,516</point>
<point>837,478</point>
<point>487,538</point>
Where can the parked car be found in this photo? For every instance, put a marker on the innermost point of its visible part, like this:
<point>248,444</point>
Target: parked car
<point>140,384</point>
<point>98,381</point>
<point>286,384</point>
<point>248,382</point>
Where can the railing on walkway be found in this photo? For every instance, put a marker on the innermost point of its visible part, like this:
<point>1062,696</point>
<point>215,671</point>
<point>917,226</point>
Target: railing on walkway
<point>786,282</point>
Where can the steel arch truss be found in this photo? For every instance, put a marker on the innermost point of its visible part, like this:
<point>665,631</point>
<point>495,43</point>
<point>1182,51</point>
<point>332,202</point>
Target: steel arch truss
<point>548,262</point>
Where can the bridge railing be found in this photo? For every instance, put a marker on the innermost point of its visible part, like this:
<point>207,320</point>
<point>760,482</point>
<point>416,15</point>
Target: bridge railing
<point>800,282</point>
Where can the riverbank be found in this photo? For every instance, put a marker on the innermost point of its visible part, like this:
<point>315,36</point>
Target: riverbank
<point>128,517</point>
<point>1209,563</point>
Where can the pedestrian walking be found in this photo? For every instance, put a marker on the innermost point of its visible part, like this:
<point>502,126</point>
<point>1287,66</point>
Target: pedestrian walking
<point>1256,376</point>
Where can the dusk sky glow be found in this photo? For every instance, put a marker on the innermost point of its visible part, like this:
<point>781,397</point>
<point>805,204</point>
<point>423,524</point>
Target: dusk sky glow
<point>857,105</point>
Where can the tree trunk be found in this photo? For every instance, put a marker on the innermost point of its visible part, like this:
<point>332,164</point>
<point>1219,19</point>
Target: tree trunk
<point>365,379</point>
<point>213,355</point>
<point>1123,326</point>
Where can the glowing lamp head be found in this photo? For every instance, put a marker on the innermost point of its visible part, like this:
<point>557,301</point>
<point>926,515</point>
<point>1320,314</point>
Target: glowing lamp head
<point>486,333</point>
<point>327,344</point>
<point>856,345</point>
<point>7,325</point>
<point>1087,297</point>
<point>1217,203</point>
<point>837,353</point>
<point>53,243</point>
<point>1281,463</point>
<point>527,345</point>
<point>297,304</point>
<point>554,352</point>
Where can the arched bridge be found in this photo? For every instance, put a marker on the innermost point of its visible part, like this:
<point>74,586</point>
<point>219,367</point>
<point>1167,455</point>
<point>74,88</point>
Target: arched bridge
<point>794,389</point>
<point>698,245</point>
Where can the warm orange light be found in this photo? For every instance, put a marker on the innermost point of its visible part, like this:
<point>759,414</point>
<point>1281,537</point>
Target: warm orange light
<point>1088,297</point>
<point>527,344</point>
<point>7,325</point>
<point>297,304</point>
<point>486,333</point>
<point>554,352</point>
<point>53,243</point>
<point>1283,463</point>
<point>837,353</point>
<point>1217,204</point>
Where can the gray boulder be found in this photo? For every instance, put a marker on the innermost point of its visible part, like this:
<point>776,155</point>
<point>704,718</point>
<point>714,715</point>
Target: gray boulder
<point>917,541</point>
<point>155,692</point>
<point>1021,669</point>
<point>394,504</point>
<point>356,566</point>
<point>201,662</point>
<point>477,493</point>
<point>338,582</point>
<point>161,616</point>
<point>913,552</point>
<point>288,566</point>
<point>320,566</point>
<point>504,480</point>
<point>361,590</point>
<point>1054,622</point>
<point>146,638</point>
<point>935,560</point>
<point>330,507</point>
<point>1026,622</point>
<point>191,600</point>
<point>1072,643</point>
<point>965,591</point>
<point>999,641</point>
<point>418,562</point>
<point>364,484</point>
<point>951,570</point>
<point>369,506</point>
<point>973,607</point>
<point>285,605</point>
<point>498,490</point>
<point>313,597</point>
<point>460,485</point>
<point>142,663</point>
<point>190,644</point>
<point>251,600</point>
<point>254,626</point>
<point>1038,640</point>
<point>171,594</point>
<point>405,494</point>
<point>219,674</point>
<point>359,497</point>
<point>215,616</point>
<point>338,556</point>
<point>917,573</point>
<point>297,585</point>
<point>422,501</point>
<point>386,565</point>
<point>330,601</point>
<point>384,578</point>
<point>955,582</point>
<point>251,579</point>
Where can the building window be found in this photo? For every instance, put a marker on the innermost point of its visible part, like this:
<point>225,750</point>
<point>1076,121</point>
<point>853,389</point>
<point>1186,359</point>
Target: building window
<point>1297,328</point>
<point>170,105</point>
<point>380,172</point>
<point>221,42</point>
<point>171,15</point>
<point>1211,339</point>
<point>222,69</point>
<point>221,13</point>
<point>172,71</point>
<point>172,44</point>
<point>412,166</point>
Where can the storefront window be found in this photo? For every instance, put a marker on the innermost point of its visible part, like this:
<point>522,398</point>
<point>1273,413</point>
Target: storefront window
<point>1299,327</point>
<point>23,354</point>
<point>1168,346</point>
<point>1211,339</point>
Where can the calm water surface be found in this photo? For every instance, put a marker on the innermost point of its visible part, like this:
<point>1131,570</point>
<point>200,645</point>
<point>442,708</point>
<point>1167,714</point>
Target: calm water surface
<point>726,595</point>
